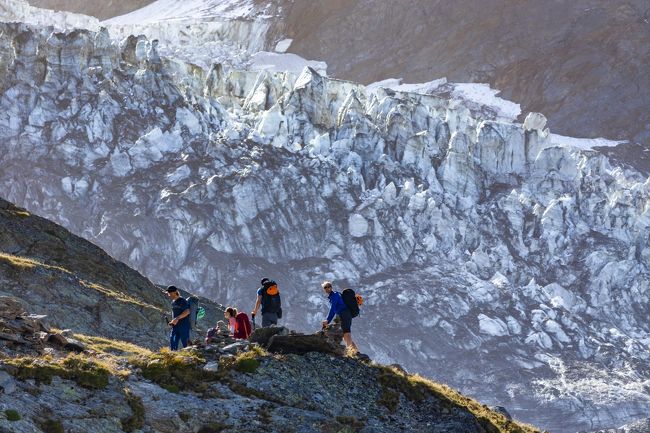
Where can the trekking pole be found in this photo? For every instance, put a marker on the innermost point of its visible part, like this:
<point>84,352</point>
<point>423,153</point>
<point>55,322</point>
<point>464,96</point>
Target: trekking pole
<point>253,317</point>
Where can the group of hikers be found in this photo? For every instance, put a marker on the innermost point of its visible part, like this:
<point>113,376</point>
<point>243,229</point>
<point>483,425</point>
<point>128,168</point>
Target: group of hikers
<point>343,305</point>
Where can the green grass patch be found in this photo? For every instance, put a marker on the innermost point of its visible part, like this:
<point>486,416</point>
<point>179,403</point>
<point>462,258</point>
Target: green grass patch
<point>214,427</point>
<point>389,399</point>
<point>416,389</point>
<point>176,370</point>
<point>245,362</point>
<point>174,389</point>
<point>52,426</point>
<point>247,365</point>
<point>136,420</point>
<point>352,424</point>
<point>86,372</point>
<point>12,415</point>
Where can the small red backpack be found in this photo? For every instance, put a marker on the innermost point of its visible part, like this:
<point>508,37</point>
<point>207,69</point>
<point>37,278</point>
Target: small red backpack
<point>242,326</point>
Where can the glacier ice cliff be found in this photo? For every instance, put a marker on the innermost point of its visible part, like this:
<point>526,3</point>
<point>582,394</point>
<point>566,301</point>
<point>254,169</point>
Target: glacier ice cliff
<point>490,256</point>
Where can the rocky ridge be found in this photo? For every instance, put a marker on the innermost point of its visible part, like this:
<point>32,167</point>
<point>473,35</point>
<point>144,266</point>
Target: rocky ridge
<point>113,386</point>
<point>499,251</point>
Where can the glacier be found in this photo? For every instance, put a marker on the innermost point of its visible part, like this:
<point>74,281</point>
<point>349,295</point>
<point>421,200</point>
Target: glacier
<point>491,256</point>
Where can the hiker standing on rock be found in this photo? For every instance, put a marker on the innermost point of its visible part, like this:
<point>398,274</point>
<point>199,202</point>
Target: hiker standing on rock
<point>268,297</point>
<point>338,308</point>
<point>180,322</point>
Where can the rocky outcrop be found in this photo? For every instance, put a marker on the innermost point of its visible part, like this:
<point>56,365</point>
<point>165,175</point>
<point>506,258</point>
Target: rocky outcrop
<point>43,265</point>
<point>496,250</point>
<point>20,333</point>
<point>114,386</point>
<point>302,344</point>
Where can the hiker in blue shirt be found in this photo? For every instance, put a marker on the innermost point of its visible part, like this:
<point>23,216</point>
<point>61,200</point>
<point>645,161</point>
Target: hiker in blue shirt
<point>338,308</point>
<point>180,322</point>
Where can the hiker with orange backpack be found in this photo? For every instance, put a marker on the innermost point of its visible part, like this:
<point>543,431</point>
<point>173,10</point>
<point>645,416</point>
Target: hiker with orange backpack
<point>268,297</point>
<point>345,311</point>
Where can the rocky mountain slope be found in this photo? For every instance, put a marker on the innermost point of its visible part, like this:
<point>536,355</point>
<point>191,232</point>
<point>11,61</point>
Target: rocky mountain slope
<point>582,63</point>
<point>75,283</point>
<point>491,256</point>
<point>106,385</point>
<point>84,379</point>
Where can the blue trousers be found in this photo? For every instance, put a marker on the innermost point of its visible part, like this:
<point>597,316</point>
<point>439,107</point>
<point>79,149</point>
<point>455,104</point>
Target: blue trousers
<point>179,334</point>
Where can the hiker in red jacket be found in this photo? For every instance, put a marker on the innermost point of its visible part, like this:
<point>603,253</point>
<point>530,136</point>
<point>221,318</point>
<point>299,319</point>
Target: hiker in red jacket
<point>243,327</point>
<point>238,323</point>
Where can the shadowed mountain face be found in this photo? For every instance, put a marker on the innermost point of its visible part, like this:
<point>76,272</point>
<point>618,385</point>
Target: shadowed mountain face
<point>582,63</point>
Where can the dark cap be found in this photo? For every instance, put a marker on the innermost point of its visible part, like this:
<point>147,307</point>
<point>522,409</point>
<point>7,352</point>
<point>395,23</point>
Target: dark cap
<point>264,281</point>
<point>172,289</point>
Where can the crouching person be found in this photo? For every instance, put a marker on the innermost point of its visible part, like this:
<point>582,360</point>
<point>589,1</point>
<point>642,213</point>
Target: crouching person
<point>238,323</point>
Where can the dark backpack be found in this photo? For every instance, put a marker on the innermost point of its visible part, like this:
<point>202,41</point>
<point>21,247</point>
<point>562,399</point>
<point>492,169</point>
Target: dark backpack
<point>350,301</point>
<point>193,303</point>
<point>271,302</point>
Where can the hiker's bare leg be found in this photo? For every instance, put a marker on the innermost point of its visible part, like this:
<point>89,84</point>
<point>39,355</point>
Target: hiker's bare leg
<point>349,343</point>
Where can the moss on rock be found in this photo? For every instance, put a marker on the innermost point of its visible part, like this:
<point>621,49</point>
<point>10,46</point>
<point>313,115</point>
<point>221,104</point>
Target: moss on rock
<point>12,415</point>
<point>85,372</point>
<point>136,420</point>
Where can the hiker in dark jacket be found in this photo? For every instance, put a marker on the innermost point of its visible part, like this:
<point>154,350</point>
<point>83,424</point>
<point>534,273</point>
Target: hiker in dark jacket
<point>338,308</point>
<point>268,297</point>
<point>180,322</point>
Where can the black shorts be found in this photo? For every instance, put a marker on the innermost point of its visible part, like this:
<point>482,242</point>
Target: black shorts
<point>346,320</point>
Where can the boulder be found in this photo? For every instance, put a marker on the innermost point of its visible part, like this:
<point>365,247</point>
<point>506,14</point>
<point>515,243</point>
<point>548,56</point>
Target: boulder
<point>7,384</point>
<point>301,344</point>
<point>233,348</point>
<point>535,122</point>
<point>503,411</point>
<point>262,336</point>
<point>74,346</point>
<point>57,340</point>
<point>10,307</point>
<point>212,366</point>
